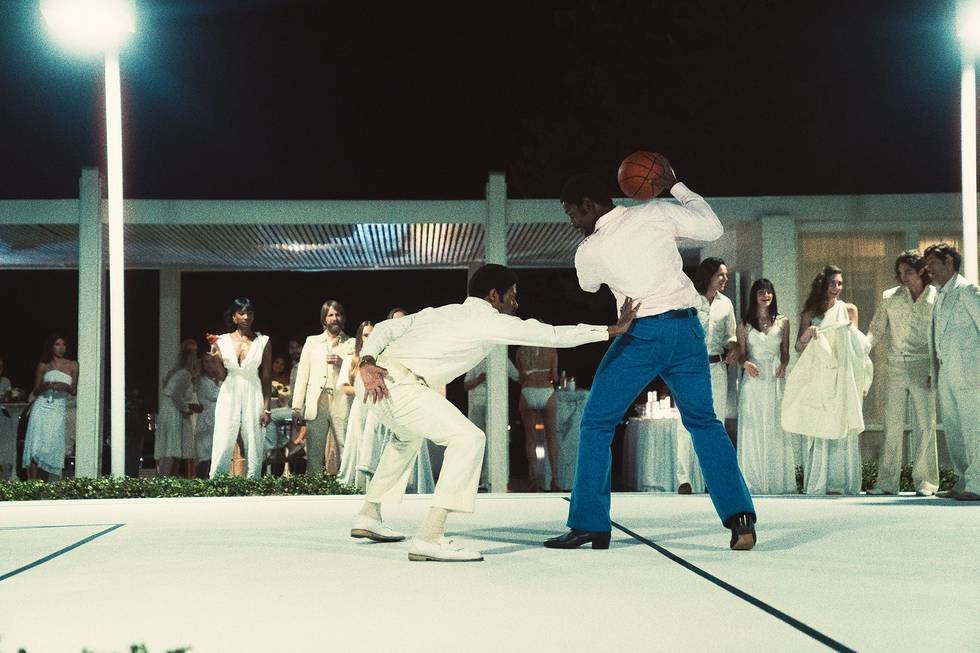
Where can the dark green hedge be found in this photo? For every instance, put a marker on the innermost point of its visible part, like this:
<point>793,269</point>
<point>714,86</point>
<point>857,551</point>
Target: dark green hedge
<point>869,476</point>
<point>142,488</point>
<point>232,486</point>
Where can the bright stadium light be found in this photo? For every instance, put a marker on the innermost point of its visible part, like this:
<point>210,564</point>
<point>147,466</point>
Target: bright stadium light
<point>90,24</point>
<point>968,31</point>
<point>104,25</point>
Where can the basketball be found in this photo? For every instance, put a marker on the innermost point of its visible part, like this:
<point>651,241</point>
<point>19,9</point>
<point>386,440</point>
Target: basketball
<point>641,175</point>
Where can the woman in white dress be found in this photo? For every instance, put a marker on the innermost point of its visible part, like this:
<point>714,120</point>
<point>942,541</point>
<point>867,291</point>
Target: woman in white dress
<point>352,468</point>
<point>55,379</point>
<point>243,401</point>
<point>830,465</point>
<point>765,453</point>
<point>174,428</point>
<point>208,387</point>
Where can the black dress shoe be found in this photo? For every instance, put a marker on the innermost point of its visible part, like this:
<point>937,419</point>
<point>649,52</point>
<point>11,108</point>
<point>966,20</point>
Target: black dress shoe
<point>575,538</point>
<point>684,488</point>
<point>743,531</point>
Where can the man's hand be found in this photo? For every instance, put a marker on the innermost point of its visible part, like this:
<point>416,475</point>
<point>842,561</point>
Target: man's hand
<point>731,353</point>
<point>627,312</point>
<point>374,381</point>
<point>668,179</point>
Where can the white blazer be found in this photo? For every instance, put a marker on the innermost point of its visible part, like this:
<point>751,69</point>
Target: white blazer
<point>312,373</point>
<point>957,334</point>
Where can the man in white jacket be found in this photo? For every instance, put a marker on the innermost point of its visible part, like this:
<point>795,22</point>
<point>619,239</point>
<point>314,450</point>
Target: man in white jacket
<point>315,401</point>
<point>903,325</point>
<point>956,352</point>
<point>401,363</point>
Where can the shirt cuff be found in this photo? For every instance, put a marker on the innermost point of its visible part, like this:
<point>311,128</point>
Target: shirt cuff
<point>680,191</point>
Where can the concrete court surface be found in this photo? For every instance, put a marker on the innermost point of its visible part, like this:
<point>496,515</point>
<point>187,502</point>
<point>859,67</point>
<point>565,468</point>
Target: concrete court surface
<point>282,574</point>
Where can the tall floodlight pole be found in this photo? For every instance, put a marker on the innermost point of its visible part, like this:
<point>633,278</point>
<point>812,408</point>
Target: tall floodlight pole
<point>968,30</point>
<point>103,25</point>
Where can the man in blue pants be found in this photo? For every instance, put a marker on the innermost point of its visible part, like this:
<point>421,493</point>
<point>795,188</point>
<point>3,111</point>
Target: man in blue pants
<point>634,251</point>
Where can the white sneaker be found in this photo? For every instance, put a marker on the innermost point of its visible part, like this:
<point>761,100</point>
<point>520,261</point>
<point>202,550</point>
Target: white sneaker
<point>924,492</point>
<point>373,529</point>
<point>444,550</point>
<point>878,492</point>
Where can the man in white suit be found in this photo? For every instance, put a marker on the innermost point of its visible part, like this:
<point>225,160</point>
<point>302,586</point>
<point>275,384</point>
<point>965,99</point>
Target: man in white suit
<point>956,352</point>
<point>902,324</point>
<point>315,402</point>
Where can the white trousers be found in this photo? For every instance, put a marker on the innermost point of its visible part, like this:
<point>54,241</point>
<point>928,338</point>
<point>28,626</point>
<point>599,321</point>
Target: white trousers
<point>688,467</point>
<point>238,408</point>
<point>415,412</point>
<point>906,393</point>
<point>959,402</point>
<point>478,415</point>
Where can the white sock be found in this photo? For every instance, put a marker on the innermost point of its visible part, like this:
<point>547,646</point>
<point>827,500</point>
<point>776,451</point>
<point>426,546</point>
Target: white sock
<point>434,525</point>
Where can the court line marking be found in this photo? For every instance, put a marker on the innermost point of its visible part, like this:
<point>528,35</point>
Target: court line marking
<point>809,631</point>
<point>745,596</point>
<point>59,552</point>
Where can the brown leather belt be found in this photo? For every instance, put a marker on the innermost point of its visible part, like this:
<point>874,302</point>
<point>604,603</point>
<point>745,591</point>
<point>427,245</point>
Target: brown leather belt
<point>715,358</point>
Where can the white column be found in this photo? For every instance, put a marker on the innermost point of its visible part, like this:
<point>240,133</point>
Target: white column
<point>169,322</point>
<point>968,141</point>
<point>91,326</point>
<point>498,437</point>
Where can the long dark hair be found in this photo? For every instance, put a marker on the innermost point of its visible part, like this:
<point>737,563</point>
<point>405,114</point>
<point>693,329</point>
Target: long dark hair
<point>47,353</point>
<point>355,363</point>
<point>816,303</point>
<point>706,270</point>
<point>751,313</point>
<point>237,305</point>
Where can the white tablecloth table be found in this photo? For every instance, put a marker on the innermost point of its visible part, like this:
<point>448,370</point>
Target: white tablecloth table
<point>9,417</point>
<point>568,416</point>
<point>650,454</point>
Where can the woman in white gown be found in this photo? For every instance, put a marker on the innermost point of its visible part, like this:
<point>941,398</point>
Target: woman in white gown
<point>352,468</point>
<point>243,400</point>
<point>208,387</point>
<point>55,379</point>
<point>173,424</point>
<point>832,461</point>
<point>765,453</point>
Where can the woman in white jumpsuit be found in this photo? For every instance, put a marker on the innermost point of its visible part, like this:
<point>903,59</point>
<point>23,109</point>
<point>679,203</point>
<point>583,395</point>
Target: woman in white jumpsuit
<point>243,401</point>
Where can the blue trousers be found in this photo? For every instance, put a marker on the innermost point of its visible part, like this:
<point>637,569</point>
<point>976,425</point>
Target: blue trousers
<point>674,349</point>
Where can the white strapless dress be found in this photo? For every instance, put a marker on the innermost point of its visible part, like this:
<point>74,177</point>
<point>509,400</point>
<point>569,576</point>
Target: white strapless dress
<point>44,442</point>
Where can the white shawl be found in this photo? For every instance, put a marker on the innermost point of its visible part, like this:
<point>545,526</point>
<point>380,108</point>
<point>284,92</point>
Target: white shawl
<point>825,390</point>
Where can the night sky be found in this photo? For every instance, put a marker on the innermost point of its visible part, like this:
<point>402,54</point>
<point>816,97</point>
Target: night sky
<point>392,100</point>
<point>308,99</point>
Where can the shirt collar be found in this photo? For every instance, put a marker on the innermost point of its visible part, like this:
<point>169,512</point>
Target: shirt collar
<point>608,217</point>
<point>478,303</point>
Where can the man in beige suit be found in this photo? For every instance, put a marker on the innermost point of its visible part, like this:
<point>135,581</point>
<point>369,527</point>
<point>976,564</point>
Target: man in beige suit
<point>956,349</point>
<point>315,401</point>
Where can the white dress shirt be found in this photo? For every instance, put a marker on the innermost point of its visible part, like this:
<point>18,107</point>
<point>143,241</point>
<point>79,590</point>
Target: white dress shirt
<point>440,344</point>
<point>718,320</point>
<point>634,251</point>
<point>903,323</point>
